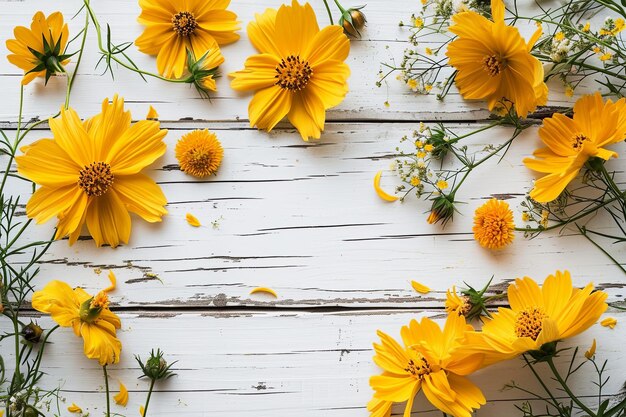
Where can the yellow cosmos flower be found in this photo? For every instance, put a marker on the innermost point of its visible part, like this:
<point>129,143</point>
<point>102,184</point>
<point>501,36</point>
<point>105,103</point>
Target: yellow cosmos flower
<point>493,224</point>
<point>90,173</point>
<point>122,397</point>
<point>174,27</point>
<point>299,72</point>
<point>430,360</point>
<point>204,70</point>
<point>494,62</point>
<point>538,315</point>
<point>89,317</point>
<point>571,142</point>
<point>199,153</point>
<point>40,50</point>
<point>457,304</point>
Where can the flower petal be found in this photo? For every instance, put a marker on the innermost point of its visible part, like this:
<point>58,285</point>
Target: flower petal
<point>108,220</point>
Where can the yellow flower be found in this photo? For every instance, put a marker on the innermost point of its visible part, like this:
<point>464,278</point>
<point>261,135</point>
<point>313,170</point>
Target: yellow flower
<point>428,51</point>
<point>430,360</point>
<point>596,49</point>
<point>122,397</point>
<point>199,153</point>
<point>619,25</point>
<point>428,147</point>
<point>418,22</point>
<point>525,216</point>
<point>299,72</point>
<point>587,27</point>
<point>40,50</point>
<point>442,184</point>
<point>428,87</point>
<point>74,408</point>
<point>559,36</point>
<point>493,224</point>
<point>421,154</point>
<point>571,142</point>
<point>606,57</point>
<point>204,70</point>
<point>538,316</point>
<point>455,303</point>
<point>569,91</point>
<point>592,350</point>
<point>609,322</point>
<point>419,144</point>
<point>174,27</point>
<point>412,83</point>
<point>494,62</point>
<point>89,316</point>
<point>192,220</point>
<point>415,181</point>
<point>90,173</point>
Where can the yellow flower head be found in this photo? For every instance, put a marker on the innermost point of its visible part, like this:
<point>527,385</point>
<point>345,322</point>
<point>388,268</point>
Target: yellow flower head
<point>538,315</point>
<point>90,173</point>
<point>204,70</point>
<point>88,316</point>
<point>199,153</point>
<point>559,36</point>
<point>587,27</point>
<point>571,142</point>
<point>415,181</point>
<point>442,184</point>
<point>299,71</point>
<point>175,27</point>
<point>493,224</point>
<point>457,304</point>
<point>40,50</point>
<point>494,62</point>
<point>412,83</point>
<point>431,360</point>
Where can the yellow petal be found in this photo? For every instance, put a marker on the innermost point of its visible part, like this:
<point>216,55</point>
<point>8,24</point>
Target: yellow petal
<point>152,114</point>
<point>113,280</point>
<point>74,409</point>
<point>420,288</point>
<point>609,322</point>
<point>122,397</point>
<point>141,410</point>
<point>382,194</point>
<point>592,350</point>
<point>193,220</point>
<point>265,290</point>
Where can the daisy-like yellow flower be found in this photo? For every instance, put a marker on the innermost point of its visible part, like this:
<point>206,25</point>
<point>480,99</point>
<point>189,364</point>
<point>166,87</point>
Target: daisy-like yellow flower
<point>538,316</point>
<point>90,173</point>
<point>174,27</point>
<point>89,317</point>
<point>299,73</point>
<point>494,62</point>
<point>457,304</point>
<point>571,142</point>
<point>199,153</point>
<point>442,184</point>
<point>493,224</point>
<point>431,360</point>
<point>40,50</point>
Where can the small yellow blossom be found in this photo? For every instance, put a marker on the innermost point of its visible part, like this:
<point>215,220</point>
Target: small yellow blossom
<point>569,91</point>
<point>122,397</point>
<point>559,36</point>
<point>525,216</point>
<point>596,49</point>
<point>415,181</point>
<point>587,27</point>
<point>74,408</point>
<point>192,220</point>
<point>606,57</point>
<point>619,25</point>
<point>412,83</point>
<point>442,184</point>
<point>428,87</point>
<point>418,22</point>
<point>592,350</point>
<point>429,148</point>
<point>428,51</point>
<point>420,288</point>
<point>421,154</point>
<point>419,144</point>
<point>609,322</point>
<point>544,218</point>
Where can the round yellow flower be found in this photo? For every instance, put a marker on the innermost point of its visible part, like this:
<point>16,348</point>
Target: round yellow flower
<point>493,224</point>
<point>199,153</point>
<point>431,360</point>
<point>88,316</point>
<point>538,316</point>
<point>40,50</point>
<point>90,173</point>
<point>173,27</point>
<point>494,62</point>
<point>299,73</point>
<point>571,142</point>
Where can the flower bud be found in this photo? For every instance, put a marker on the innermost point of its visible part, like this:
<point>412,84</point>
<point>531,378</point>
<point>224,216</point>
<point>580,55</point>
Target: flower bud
<point>156,367</point>
<point>353,21</point>
<point>32,332</point>
<point>442,209</point>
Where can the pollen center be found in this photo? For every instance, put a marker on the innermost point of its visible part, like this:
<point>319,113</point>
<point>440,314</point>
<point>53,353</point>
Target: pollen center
<point>101,300</point>
<point>529,322</point>
<point>293,74</point>
<point>95,179</point>
<point>578,140</point>
<point>493,65</point>
<point>184,23</point>
<point>419,367</point>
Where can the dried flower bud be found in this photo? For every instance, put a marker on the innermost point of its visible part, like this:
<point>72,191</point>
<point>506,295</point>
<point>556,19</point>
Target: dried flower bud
<point>32,332</point>
<point>353,21</point>
<point>156,367</point>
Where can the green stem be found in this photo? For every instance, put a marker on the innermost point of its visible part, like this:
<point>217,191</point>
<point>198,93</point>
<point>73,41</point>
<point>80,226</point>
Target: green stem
<point>145,408</point>
<point>473,132</point>
<point>330,15</point>
<point>39,357</point>
<point>106,385</point>
<point>17,136</point>
<point>341,9</point>
<point>70,82</point>
<point>583,232</point>
<point>543,385</point>
<point>566,388</point>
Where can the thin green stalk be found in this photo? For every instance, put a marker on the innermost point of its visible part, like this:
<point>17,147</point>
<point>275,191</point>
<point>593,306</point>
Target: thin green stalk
<point>566,388</point>
<point>39,357</point>
<point>106,385</point>
<point>70,82</point>
<point>543,385</point>
<point>583,232</point>
<point>330,15</point>
<point>17,136</point>
<point>341,9</point>
<point>145,408</point>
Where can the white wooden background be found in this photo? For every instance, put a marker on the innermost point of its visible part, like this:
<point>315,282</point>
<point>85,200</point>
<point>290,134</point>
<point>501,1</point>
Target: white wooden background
<point>299,217</point>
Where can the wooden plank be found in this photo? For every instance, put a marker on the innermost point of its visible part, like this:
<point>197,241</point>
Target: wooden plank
<point>246,363</point>
<point>304,220</point>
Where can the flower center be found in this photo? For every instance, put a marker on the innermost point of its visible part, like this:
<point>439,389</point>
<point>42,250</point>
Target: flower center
<point>465,307</point>
<point>101,300</point>
<point>95,179</point>
<point>578,140</point>
<point>493,65</point>
<point>418,368</point>
<point>529,322</point>
<point>90,309</point>
<point>184,23</point>
<point>293,74</point>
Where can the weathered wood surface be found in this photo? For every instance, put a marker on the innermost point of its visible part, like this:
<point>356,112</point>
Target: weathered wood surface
<point>299,217</point>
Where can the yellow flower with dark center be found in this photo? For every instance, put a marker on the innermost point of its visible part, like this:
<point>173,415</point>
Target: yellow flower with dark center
<point>90,173</point>
<point>199,153</point>
<point>493,224</point>
<point>538,316</point>
<point>299,72</point>
<point>494,63</point>
<point>174,27</point>
<point>88,316</point>
<point>431,360</point>
<point>571,142</point>
<point>40,50</point>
